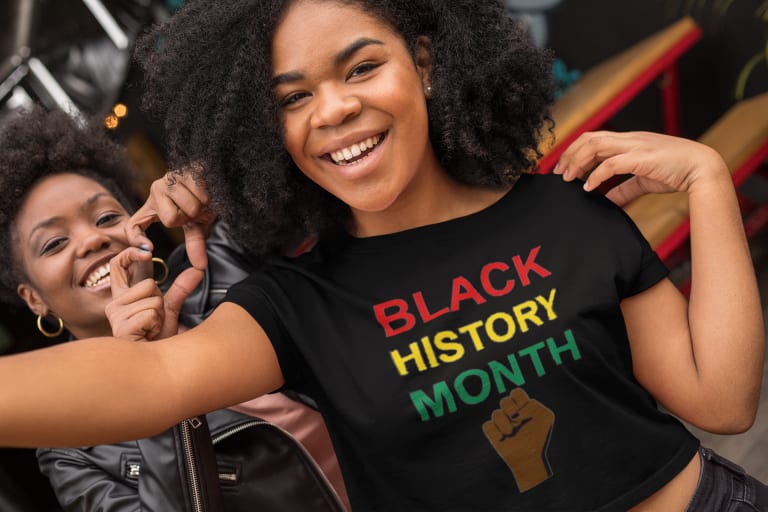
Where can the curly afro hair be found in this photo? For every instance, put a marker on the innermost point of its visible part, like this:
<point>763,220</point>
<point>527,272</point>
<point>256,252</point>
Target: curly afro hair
<point>35,144</point>
<point>208,74</point>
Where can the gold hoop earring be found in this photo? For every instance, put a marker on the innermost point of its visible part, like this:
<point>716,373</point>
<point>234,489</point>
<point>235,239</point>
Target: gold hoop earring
<point>49,334</point>
<point>164,275</point>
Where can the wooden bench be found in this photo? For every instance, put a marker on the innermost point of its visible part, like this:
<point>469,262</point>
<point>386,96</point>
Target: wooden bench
<point>606,88</point>
<point>741,137</point>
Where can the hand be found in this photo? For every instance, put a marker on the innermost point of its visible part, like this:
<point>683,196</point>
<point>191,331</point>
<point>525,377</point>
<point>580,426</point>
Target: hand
<point>519,431</point>
<point>176,199</point>
<point>139,311</point>
<point>658,163</point>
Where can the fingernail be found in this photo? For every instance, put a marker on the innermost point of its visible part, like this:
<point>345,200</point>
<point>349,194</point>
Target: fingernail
<point>557,166</point>
<point>587,187</point>
<point>144,247</point>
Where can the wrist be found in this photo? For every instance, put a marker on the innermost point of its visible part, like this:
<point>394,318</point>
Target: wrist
<point>710,172</point>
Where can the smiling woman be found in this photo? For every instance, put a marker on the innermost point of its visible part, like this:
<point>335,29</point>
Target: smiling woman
<point>67,231</point>
<point>477,336</point>
<point>61,218</point>
<point>322,91</point>
<point>62,226</point>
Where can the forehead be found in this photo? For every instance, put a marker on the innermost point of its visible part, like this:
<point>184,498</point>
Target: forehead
<point>56,195</point>
<point>312,29</point>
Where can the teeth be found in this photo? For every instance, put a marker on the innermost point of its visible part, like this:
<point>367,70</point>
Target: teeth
<point>99,276</point>
<point>355,150</point>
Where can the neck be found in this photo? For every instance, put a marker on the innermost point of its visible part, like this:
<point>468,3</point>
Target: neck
<point>428,200</point>
<point>97,330</point>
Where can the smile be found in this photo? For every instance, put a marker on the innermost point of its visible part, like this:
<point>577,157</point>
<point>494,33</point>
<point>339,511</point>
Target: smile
<point>357,151</point>
<point>98,277</point>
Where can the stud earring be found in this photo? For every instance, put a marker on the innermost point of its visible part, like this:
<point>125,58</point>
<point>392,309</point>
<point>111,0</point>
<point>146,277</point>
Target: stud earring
<point>49,334</point>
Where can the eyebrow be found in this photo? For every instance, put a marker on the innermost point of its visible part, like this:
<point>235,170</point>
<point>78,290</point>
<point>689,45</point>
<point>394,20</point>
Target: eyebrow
<point>53,220</point>
<point>339,58</point>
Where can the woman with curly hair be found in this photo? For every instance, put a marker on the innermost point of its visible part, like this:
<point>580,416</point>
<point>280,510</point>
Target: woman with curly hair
<point>39,146</point>
<point>477,337</point>
<point>62,226</point>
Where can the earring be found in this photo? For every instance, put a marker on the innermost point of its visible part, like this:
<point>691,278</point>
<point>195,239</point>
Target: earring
<point>48,334</point>
<point>429,90</point>
<point>164,270</point>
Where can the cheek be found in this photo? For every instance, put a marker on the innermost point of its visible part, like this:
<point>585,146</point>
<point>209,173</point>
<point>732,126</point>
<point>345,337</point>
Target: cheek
<point>293,139</point>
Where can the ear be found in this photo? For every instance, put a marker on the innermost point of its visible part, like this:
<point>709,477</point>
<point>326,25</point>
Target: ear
<point>34,301</point>
<point>422,54</point>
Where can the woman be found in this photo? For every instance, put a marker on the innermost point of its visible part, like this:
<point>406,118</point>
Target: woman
<point>63,222</point>
<point>477,338</point>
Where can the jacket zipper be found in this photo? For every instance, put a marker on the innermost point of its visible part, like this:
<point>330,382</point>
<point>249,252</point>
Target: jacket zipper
<point>253,423</point>
<point>191,460</point>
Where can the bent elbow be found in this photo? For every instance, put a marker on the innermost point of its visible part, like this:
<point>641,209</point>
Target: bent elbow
<point>732,427</point>
<point>729,422</point>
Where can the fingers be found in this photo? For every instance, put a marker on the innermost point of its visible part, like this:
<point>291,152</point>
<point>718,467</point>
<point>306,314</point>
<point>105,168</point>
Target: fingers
<point>658,162</point>
<point>179,198</point>
<point>176,200</point>
<point>627,191</point>
<point>587,151</point>
<point>614,165</point>
<point>136,313</point>
<point>506,420</point>
<point>178,292</point>
<point>188,196</point>
<point>136,310</point>
<point>140,311</point>
<point>138,224</point>
<point>194,242</point>
<point>174,299</point>
<point>121,273</point>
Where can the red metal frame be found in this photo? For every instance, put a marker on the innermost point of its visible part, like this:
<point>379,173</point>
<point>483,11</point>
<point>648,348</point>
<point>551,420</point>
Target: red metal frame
<point>670,98</point>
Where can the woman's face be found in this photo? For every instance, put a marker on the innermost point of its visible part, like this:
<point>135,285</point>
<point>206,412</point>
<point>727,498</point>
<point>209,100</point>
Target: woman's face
<point>67,230</point>
<point>353,104</point>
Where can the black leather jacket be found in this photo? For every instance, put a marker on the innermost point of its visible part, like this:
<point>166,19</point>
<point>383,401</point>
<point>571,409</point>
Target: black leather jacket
<point>259,467</point>
<point>225,461</point>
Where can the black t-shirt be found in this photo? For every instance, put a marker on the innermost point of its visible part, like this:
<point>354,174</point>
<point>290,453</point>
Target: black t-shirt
<point>482,363</point>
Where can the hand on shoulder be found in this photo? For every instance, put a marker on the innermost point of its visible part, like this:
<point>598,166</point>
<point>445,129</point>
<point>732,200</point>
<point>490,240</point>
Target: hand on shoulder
<point>658,163</point>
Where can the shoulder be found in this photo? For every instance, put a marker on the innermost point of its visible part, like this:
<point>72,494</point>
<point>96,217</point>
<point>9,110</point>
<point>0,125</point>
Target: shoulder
<point>549,196</point>
<point>553,187</point>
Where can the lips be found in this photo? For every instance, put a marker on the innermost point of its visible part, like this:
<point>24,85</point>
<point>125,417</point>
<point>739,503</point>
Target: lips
<point>357,151</point>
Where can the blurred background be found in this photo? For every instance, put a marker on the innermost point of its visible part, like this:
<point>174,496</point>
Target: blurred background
<point>75,55</point>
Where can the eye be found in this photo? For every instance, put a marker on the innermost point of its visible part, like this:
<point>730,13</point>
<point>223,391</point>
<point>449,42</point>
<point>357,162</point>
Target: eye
<point>107,219</point>
<point>362,69</point>
<point>293,98</point>
<point>51,246</point>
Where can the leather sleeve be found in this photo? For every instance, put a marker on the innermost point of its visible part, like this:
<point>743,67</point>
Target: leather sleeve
<point>95,479</point>
<point>228,263</point>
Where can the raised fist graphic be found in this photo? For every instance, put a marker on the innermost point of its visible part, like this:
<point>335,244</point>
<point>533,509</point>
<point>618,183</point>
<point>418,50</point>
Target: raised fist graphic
<point>519,431</point>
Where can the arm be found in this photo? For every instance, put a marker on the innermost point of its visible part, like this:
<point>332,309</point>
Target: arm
<point>701,359</point>
<point>144,387</point>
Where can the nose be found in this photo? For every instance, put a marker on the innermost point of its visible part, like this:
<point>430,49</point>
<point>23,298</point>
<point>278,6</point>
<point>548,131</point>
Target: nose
<point>334,106</point>
<point>92,239</point>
